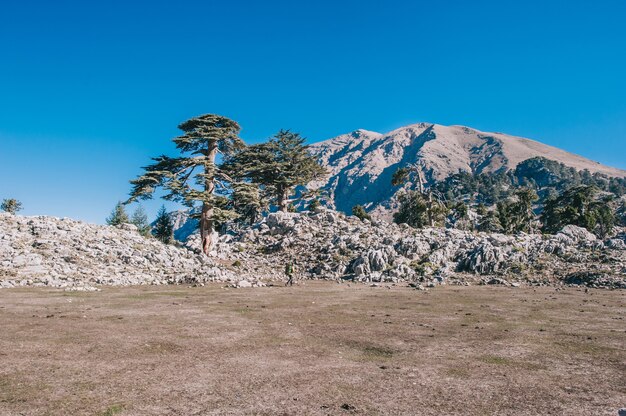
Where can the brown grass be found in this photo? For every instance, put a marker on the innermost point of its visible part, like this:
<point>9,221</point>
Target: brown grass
<point>319,348</point>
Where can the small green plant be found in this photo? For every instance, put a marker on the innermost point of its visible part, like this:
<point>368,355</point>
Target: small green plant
<point>360,212</point>
<point>113,410</point>
<point>314,205</point>
<point>237,263</point>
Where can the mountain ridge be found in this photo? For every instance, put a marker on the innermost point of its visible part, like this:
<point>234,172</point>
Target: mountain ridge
<point>361,163</point>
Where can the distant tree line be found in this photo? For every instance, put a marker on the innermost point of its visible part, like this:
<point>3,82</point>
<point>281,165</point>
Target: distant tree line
<point>540,195</point>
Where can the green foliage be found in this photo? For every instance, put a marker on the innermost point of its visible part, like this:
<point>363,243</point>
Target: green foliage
<point>247,201</point>
<point>581,206</point>
<point>517,215</point>
<point>400,177</point>
<point>459,216</point>
<point>490,222</point>
<point>360,212</point>
<point>314,205</point>
<point>194,176</point>
<point>11,205</point>
<point>163,228</point>
<point>118,215</point>
<point>278,166</point>
<point>414,210</point>
<point>140,220</point>
<point>547,177</point>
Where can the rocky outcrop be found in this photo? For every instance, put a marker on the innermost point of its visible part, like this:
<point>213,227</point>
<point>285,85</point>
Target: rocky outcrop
<point>325,244</point>
<point>329,245</point>
<point>47,251</point>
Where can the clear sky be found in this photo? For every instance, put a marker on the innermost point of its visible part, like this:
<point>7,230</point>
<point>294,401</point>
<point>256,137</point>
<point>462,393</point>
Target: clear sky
<point>89,91</point>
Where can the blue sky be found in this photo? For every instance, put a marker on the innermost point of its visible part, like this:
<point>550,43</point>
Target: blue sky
<point>89,91</point>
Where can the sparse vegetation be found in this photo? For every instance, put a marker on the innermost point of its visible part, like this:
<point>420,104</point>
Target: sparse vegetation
<point>163,228</point>
<point>360,212</point>
<point>11,205</point>
<point>118,215</point>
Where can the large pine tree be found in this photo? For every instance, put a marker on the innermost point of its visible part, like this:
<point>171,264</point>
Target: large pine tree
<point>194,177</point>
<point>278,165</point>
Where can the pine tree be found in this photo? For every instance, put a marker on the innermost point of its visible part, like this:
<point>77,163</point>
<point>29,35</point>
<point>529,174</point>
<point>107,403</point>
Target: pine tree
<point>414,210</point>
<point>140,220</point>
<point>432,203</point>
<point>581,206</point>
<point>314,205</point>
<point>247,201</point>
<point>517,215</point>
<point>360,212</point>
<point>118,215</point>
<point>490,223</point>
<point>195,177</point>
<point>163,228</point>
<point>278,165</point>
<point>11,205</point>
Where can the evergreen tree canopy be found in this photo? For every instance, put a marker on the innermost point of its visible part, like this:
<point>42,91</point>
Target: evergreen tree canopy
<point>581,206</point>
<point>278,165</point>
<point>517,215</point>
<point>247,201</point>
<point>163,228</point>
<point>11,205</point>
<point>118,215</point>
<point>433,204</point>
<point>140,220</point>
<point>195,177</point>
<point>360,212</point>
<point>418,212</point>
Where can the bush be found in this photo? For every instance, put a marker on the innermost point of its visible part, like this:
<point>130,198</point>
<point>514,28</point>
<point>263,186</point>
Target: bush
<point>360,212</point>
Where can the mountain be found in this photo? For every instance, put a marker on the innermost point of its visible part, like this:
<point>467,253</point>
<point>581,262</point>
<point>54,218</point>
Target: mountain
<point>361,163</point>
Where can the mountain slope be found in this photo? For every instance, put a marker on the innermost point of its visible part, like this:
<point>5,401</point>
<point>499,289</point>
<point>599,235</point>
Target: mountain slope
<point>361,163</point>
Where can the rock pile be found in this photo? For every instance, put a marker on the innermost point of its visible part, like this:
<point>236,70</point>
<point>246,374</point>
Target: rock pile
<point>324,244</point>
<point>329,245</point>
<point>46,251</point>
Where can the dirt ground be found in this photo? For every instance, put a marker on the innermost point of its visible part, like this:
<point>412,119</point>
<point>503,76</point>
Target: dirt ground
<point>320,349</point>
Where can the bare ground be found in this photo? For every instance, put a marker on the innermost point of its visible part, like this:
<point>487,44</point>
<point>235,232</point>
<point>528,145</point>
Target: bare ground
<point>320,348</point>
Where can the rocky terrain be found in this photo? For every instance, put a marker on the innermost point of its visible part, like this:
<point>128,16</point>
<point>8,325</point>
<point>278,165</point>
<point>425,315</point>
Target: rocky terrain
<point>47,251</point>
<point>361,163</point>
<point>330,245</point>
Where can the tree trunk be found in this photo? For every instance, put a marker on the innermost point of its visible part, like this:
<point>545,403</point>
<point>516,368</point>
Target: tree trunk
<point>282,200</point>
<point>206,228</point>
<point>206,219</point>
<point>429,205</point>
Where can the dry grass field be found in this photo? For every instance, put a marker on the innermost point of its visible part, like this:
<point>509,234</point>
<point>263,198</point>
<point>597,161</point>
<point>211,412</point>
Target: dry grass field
<point>315,349</point>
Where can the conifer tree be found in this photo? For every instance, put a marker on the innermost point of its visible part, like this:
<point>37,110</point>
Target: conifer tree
<point>278,165</point>
<point>416,211</point>
<point>194,176</point>
<point>581,206</point>
<point>247,201</point>
<point>140,220</point>
<point>517,215</point>
<point>490,222</point>
<point>163,228</point>
<point>431,204</point>
<point>11,205</point>
<point>314,205</point>
<point>118,215</point>
<point>360,212</point>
